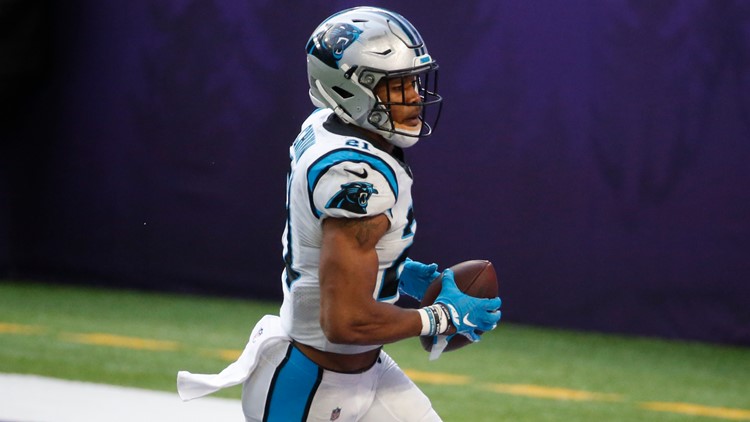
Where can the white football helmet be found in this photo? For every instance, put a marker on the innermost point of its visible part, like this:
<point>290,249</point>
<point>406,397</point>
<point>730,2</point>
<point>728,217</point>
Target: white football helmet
<point>353,50</point>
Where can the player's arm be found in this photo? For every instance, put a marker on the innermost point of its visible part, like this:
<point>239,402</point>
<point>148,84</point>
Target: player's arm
<point>348,273</point>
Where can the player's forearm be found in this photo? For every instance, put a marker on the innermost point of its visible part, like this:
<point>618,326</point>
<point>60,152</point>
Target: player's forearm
<point>373,323</point>
<point>350,315</point>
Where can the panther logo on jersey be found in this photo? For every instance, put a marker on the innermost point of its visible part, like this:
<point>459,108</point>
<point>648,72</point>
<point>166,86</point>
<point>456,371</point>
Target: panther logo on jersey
<point>353,197</point>
<point>329,44</point>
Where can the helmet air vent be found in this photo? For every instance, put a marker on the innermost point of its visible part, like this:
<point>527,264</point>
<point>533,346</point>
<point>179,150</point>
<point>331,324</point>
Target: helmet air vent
<point>342,92</point>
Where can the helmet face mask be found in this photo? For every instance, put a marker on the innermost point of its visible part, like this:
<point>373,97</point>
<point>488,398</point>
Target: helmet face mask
<point>354,51</point>
<point>400,88</point>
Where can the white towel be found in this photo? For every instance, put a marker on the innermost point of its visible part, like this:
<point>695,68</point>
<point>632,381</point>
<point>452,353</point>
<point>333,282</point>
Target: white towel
<point>266,332</point>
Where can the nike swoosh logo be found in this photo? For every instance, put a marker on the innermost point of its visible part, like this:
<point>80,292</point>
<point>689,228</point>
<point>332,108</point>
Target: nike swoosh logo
<point>467,322</point>
<point>362,175</point>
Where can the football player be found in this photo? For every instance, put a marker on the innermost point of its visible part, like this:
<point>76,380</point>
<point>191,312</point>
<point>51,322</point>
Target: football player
<point>350,223</point>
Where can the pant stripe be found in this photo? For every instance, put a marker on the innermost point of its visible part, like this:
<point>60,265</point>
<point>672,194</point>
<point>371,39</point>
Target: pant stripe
<point>292,388</point>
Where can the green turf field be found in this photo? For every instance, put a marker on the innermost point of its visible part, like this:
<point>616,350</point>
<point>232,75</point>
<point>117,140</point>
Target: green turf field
<point>515,373</point>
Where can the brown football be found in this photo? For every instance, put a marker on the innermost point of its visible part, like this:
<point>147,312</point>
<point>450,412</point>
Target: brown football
<point>475,278</point>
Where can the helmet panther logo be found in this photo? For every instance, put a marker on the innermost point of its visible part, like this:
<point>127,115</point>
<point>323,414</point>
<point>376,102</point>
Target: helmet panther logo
<point>353,197</point>
<point>329,44</point>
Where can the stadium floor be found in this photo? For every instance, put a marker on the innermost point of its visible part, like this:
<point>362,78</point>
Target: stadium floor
<point>32,398</point>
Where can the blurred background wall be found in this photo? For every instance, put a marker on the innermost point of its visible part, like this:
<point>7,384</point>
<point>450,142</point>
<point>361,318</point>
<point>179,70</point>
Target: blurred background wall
<point>596,151</point>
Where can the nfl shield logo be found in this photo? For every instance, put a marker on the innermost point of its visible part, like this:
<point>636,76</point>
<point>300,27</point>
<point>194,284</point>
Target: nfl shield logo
<point>258,334</point>
<point>336,413</point>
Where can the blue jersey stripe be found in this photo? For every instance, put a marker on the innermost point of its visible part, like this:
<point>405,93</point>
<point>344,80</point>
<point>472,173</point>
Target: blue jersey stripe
<point>293,387</point>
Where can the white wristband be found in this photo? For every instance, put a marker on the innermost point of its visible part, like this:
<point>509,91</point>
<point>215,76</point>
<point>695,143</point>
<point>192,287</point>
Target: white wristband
<point>428,322</point>
<point>435,320</point>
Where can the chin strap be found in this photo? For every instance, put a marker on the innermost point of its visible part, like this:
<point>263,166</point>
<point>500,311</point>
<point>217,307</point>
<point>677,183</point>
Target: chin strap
<point>401,141</point>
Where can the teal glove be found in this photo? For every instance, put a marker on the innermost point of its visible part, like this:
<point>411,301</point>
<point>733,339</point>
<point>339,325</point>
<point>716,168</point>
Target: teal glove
<point>468,313</point>
<point>415,277</point>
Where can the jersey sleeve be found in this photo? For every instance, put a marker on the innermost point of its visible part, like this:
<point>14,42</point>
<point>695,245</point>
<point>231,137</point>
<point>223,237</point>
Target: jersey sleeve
<point>351,184</point>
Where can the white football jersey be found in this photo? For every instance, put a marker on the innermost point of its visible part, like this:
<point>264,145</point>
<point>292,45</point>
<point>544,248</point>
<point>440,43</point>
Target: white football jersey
<point>335,172</point>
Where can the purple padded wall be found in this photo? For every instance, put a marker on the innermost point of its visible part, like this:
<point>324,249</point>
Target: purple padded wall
<point>595,151</point>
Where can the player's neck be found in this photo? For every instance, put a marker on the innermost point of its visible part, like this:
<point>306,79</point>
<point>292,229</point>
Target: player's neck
<point>377,140</point>
<point>381,143</point>
<point>336,125</point>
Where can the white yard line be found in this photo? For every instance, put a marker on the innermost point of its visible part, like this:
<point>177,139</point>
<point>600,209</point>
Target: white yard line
<point>32,398</point>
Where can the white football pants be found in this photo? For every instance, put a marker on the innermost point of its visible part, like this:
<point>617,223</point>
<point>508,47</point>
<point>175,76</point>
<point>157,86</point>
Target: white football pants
<point>286,386</point>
